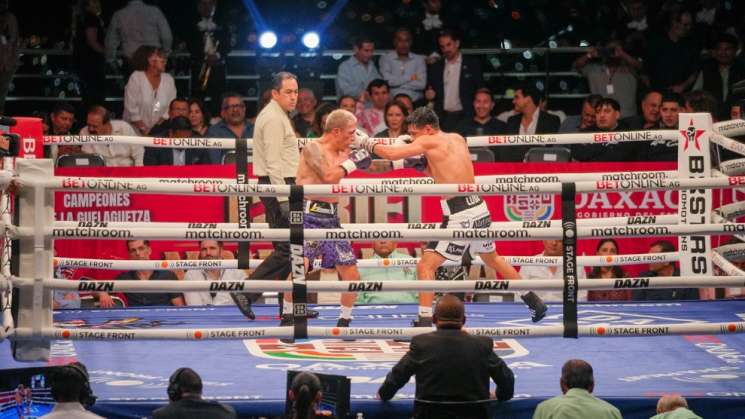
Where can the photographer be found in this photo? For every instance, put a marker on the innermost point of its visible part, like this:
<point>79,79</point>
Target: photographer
<point>612,73</point>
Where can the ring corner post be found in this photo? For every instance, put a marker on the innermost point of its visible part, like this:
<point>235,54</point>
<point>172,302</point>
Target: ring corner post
<point>695,205</point>
<point>35,210</point>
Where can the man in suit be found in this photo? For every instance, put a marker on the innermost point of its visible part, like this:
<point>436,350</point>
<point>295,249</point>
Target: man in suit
<point>179,127</point>
<point>450,366</point>
<point>452,81</point>
<point>529,120</point>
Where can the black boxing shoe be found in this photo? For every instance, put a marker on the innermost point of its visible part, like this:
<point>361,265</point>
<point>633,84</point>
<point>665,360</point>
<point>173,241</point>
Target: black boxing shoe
<point>287,320</point>
<point>422,321</point>
<point>536,306</point>
<point>311,314</point>
<point>342,322</point>
<point>243,302</point>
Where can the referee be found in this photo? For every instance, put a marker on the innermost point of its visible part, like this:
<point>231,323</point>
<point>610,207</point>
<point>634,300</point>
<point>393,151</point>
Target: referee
<point>275,161</point>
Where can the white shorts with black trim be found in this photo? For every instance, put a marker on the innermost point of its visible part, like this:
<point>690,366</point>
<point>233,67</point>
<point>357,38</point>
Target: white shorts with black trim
<point>475,215</point>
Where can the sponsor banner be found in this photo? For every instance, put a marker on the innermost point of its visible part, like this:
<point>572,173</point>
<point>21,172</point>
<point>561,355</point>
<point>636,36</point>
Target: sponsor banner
<point>129,206</point>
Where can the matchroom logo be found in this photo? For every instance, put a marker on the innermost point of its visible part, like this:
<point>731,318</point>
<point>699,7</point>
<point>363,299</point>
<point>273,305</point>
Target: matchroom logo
<point>363,350</point>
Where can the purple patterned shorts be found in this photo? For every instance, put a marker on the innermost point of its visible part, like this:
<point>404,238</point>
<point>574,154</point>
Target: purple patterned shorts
<point>332,253</point>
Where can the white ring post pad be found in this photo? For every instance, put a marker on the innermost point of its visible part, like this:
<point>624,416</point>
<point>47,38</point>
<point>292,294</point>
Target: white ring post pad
<point>34,170</point>
<point>694,205</point>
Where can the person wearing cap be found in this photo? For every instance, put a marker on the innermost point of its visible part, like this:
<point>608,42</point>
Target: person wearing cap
<point>450,366</point>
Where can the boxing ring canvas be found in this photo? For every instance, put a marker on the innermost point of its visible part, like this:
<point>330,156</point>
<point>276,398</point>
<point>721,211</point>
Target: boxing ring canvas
<point>130,377</point>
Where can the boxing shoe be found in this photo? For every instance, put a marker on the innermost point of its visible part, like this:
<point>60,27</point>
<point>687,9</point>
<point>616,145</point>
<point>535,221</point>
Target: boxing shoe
<point>422,321</point>
<point>342,322</point>
<point>243,302</point>
<point>536,306</point>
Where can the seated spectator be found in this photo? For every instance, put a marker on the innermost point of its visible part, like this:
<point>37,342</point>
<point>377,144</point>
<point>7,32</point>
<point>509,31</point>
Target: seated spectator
<point>452,81</point>
<point>178,107</point>
<point>211,250</point>
<point>607,247</point>
<point>233,124</point>
<point>719,74</point>
<point>372,119</point>
<point>701,101</point>
<point>611,72</point>
<point>663,269</point>
<point>663,150</point>
<point>71,389</point>
<point>528,120</point>
<point>551,248</point>
<point>404,71</point>
<point>305,394</point>
<point>482,122</point>
<point>607,113</point>
<point>675,46</point>
<point>387,249</point>
<point>670,107</point>
<point>395,120</point>
<point>673,406</point>
<point>61,120</point>
<point>737,109</point>
<point>140,250</point>
<point>348,103</point>
<point>185,393</point>
<point>585,120</point>
<point>650,117</point>
<point>355,74</point>
<point>116,155</point>
<point>62,298</point>
<point>306,111</point>
<point>577,383</point>
<point>149,90</point>
<point>199,117</point>
<point>319,121</point>
<point>405,100</point>
<point>450,365</point>
<point>179,127</point>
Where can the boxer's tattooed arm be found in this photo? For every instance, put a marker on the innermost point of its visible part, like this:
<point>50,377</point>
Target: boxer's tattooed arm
<point>315,158</point>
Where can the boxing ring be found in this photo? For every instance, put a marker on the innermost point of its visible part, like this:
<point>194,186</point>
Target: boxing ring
<point>694,348</point>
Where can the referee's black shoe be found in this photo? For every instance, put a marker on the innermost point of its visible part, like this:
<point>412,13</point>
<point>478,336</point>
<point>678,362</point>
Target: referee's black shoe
<point>536,306</point>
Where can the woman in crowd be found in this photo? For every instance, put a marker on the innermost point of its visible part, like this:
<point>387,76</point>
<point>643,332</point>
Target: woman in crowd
<point>305,394</point>
<point>89,52</point>
<point>395,119</point>
<point>319,121</point>
<point>198,117</point>
<point>149,90</point>
<point>607,247</point>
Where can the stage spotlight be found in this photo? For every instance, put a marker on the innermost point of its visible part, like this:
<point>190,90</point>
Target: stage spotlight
<point>268,39</point>
<point>311,40</point>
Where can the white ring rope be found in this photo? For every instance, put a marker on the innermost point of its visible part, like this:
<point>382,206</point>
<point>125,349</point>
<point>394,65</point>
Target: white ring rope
<point>664,219</point>
<point>734,167</point>
<point>728,143</point>
<point>476,141</point>
<point>166,264</point>
<point>732,252</point>
<point>481,179</point>
<point>452,234</point>
<point>240,333</point>
<point>725,265</point>
<point>135,185</point>
<point>478,286</point>
<point>731,128</point>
